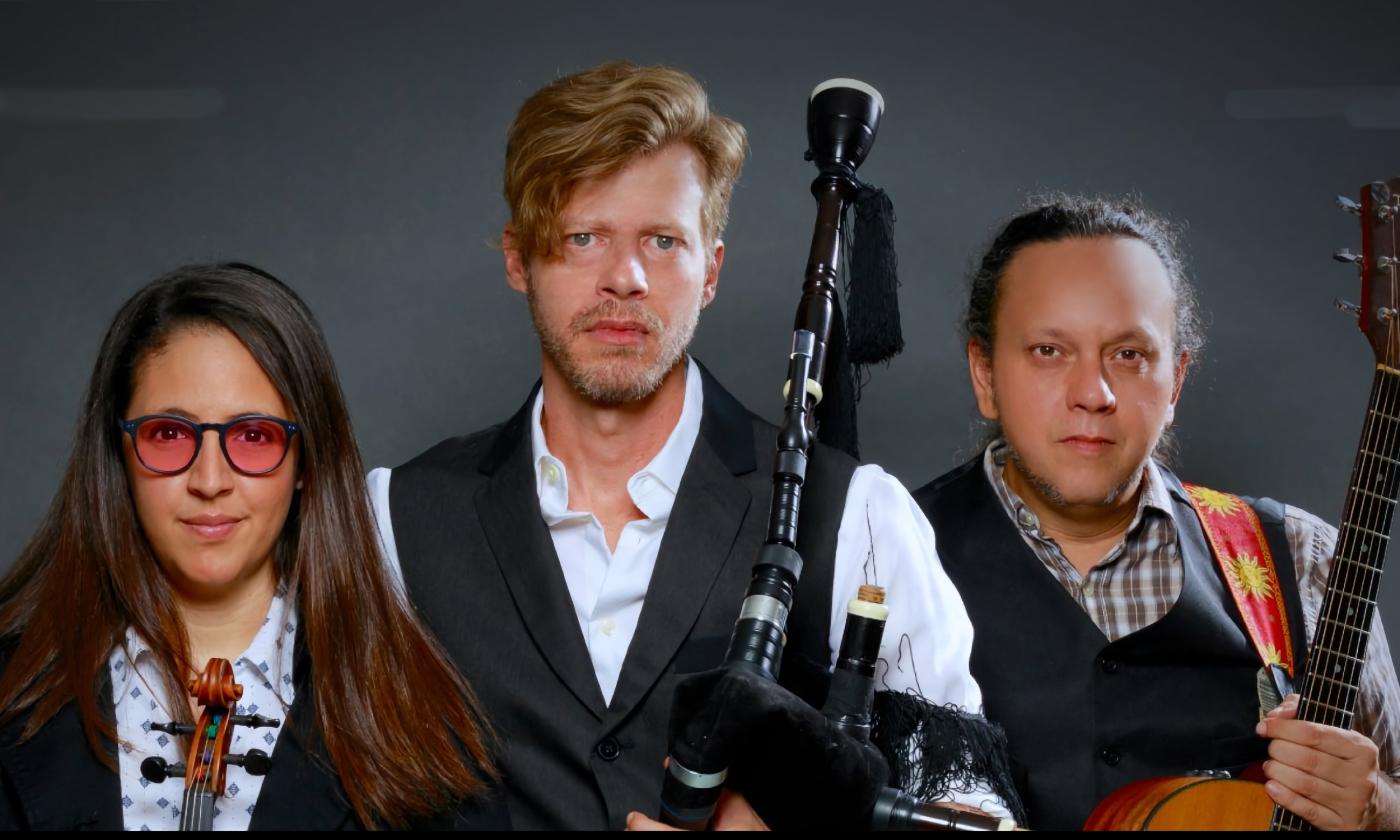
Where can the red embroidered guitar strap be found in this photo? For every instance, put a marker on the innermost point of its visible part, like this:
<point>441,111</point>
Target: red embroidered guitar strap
<point>1237,541</point>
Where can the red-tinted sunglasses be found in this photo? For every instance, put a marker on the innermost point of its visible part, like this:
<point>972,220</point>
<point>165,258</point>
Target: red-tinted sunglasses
<point>169,444</point>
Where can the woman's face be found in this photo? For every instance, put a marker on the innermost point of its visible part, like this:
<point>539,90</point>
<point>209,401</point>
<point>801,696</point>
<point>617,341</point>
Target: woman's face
<point>212,528</point>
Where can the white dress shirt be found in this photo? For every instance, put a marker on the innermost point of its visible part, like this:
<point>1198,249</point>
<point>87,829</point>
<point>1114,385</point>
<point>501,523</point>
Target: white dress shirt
<point>138,694</point>
<point>884,539</point>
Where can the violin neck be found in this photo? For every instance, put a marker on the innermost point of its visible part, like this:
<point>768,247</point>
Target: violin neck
<point>198,814</point>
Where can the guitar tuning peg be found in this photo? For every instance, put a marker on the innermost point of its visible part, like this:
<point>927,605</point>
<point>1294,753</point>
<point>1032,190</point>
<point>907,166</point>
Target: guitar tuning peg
<point>1348,205</point>
<point>1347,306</point>
<point>1346,256</point>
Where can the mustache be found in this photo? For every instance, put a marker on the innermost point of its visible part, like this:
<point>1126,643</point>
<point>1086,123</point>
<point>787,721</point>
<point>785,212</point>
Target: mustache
<point>616,310</point>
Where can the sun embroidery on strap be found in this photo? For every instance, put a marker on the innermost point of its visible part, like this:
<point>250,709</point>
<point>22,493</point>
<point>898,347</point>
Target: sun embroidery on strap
<point>1250,577</point>
<point>1213,500</point>
<point>1270,655</point>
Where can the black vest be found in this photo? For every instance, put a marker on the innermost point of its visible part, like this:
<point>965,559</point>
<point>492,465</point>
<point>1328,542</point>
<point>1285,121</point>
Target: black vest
<point>481,568</point>
<point>1085,716</point>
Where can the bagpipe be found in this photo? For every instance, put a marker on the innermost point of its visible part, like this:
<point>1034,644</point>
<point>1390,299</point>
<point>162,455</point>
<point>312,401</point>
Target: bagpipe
<point>736,726</point>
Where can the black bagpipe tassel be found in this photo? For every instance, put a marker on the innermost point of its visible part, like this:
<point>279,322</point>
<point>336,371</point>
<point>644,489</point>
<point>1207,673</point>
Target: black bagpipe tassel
<point>872,282</point>
<point>866,329</point>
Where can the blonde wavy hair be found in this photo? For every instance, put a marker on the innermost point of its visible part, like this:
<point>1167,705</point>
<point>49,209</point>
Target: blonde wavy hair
<point>591,124</point>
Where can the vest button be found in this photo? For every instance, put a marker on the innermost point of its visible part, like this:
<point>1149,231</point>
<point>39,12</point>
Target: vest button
<point>608,749</point>
<point>1110,757</point>
<point>1109,666</point>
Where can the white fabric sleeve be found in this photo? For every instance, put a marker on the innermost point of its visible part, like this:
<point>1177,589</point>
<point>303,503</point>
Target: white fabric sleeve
<point>378,481</point>
<point>886,540</point>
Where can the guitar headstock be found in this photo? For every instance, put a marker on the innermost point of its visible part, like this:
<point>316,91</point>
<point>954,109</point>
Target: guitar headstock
<point>1379,312</point>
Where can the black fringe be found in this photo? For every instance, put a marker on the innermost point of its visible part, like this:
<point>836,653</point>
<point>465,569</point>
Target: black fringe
<point>954,750</point>
<point>872,287</point>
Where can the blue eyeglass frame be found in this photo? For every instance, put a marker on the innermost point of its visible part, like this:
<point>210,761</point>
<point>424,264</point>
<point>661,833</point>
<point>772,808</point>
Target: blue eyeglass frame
<point>130,427</point>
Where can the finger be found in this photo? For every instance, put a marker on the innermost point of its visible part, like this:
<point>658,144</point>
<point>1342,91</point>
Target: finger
<point>1286,710</point>
<point>636,821</point>
<point>1319,815</point>
<point>1315,762</point>
<point>1329,792</point>
<point>1341,743</point>
<point>734,813</point>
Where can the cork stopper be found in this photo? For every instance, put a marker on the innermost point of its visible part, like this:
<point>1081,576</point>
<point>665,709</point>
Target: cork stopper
<point>871,594</point>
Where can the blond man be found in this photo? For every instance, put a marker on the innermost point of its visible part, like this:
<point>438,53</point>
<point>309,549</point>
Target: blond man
<point>579,558</point>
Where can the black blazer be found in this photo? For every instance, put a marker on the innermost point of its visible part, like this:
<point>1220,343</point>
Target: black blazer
<point>55,782</point>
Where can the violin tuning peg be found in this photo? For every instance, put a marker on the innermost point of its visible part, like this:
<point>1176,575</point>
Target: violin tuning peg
<point>1349,205</point>
<point>1344,255</point>
<point>253,721</point>
<point>156,769</point>
<point>1347,306</point>
<point>254,762</point>
<point>174,728</point>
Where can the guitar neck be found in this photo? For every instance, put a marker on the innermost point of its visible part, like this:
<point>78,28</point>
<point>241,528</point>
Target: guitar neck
<point>1332,679</point>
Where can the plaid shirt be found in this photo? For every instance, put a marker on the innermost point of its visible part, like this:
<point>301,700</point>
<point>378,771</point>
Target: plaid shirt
<point>1140,578</point>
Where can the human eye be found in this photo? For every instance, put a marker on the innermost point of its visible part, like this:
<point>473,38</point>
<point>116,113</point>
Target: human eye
<point>256,432</point>
<point>664,242</point>
<point>1045,351</point>
<point>580,240</point>
<point>164,430</point>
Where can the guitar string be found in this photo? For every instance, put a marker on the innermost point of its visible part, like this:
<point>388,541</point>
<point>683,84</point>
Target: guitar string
<point>1377,441</point>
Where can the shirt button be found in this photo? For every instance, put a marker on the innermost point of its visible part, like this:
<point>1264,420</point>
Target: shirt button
<point>1109,666</point>
<point>608,627</point>
<point>551,473</point>
<point>608,749</point>
<point>1088,589</point>
<point>1110,757</point>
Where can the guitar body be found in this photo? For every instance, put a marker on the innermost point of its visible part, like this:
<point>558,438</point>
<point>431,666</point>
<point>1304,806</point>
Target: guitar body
<point>1177,803</point>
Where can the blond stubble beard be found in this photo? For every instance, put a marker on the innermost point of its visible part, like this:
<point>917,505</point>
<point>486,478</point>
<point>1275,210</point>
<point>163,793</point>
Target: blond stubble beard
<point>622,375</point>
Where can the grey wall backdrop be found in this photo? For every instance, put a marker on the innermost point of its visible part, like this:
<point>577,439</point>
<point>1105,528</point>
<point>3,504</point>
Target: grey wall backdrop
<point>354,149</point>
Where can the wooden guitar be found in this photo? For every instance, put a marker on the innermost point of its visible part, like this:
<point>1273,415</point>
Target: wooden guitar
<point>1331,679</point>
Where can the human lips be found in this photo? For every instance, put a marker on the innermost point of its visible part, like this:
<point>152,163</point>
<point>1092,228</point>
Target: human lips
<point>613,331</point>
<point>1087,444</point>
<point>211,526</point>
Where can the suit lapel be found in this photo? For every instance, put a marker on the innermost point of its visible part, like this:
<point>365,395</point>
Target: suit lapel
<point>301,791</point>
<point>509,510</point>
<point>705,522</point>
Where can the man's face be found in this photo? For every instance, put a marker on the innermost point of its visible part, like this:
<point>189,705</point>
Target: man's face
<point>617,307</point>
<point>1083,375</point>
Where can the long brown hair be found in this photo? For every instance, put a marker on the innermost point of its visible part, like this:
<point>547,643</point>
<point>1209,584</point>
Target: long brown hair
<point>89,574</point>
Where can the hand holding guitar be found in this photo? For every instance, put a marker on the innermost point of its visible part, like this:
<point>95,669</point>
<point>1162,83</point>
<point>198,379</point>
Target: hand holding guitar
<point>1329,776</point>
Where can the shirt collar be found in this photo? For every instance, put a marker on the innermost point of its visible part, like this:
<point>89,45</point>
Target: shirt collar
<point>653,488</point>
<point>1155,496</point>
<point>268,656</point>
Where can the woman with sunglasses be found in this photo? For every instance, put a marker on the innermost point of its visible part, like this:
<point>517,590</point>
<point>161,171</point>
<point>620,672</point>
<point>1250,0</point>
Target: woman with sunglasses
<point>214,506</point>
